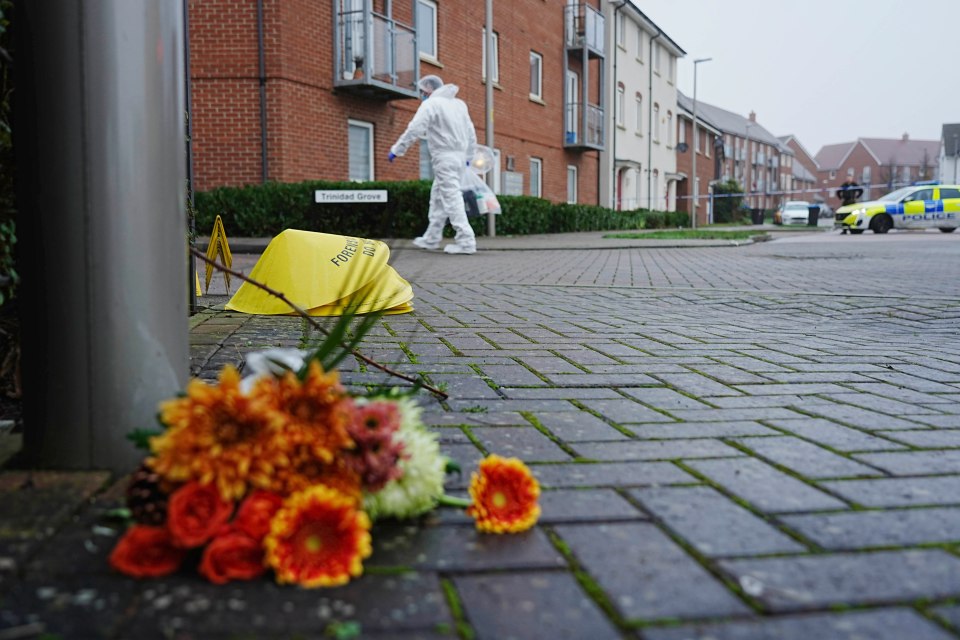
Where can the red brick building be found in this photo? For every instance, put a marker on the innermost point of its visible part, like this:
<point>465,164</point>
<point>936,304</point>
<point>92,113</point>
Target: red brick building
<point>879,165</point>
<point>709,158</point>
<point>296,90</point>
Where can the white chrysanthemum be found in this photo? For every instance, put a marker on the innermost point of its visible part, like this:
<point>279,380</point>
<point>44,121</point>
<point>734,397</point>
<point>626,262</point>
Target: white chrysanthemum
<point>424,468</point>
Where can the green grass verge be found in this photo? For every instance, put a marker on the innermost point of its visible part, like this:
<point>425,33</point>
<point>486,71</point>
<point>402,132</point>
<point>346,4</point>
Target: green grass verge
<point>683,234</point>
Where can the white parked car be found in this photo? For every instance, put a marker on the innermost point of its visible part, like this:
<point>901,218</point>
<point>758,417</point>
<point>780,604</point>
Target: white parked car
<point>792,212</point>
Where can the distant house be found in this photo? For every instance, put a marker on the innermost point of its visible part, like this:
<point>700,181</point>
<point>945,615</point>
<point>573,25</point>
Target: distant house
<point>950,154</point>
<point>880,165</point>
<point>804,170</point>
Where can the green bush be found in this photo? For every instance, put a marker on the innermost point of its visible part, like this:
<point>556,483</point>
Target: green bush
<point>266,210</point>
<point>727,206</point>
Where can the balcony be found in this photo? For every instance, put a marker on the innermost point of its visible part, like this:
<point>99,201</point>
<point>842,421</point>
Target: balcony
<point>374,56</point>
<point>584,127</point>
<point>585,29</point>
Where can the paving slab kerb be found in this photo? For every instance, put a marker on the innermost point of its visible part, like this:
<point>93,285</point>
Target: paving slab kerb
<point>734,442</point>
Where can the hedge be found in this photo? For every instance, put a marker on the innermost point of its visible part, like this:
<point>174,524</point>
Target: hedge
<point>267,209</point>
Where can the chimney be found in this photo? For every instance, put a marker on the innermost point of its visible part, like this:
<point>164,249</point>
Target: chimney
<point>753,116</point>
<point>905,137</point>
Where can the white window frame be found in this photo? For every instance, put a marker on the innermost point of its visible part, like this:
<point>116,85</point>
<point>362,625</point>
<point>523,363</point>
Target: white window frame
<point>707,145</point>
<point>621,105</point>
<point>638,101</point>
<point>866,175</point>
<point>657,58</point>
<point>536,185</point>
<point>435,22</point>
<point>571,110</point>
<point>681,130</point>
<point>496,57</point>
<point>369,127</point>
<point>571,184</point>
<point>656,123</point>
<point>621,31</point>
<point>672,71</point>
<point>536,76</point>
<point>640,39</point>
<point>669,128</point>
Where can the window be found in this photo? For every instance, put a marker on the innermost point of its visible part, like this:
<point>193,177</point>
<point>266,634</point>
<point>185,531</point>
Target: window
<point>696,139</point>
<point>639,43</point>
<point>621,104</point>
<point>572,120</point>
<point>682,131</point>
<point>656,58</point>
<point>923,194</point>
<point>427,28</point>
<point>656,123</point>
<point>536,170</point>
<point>426,165</point>
<point>707,143</point>
<point>621,30</point>
<point>905,174</point>
<point>361,150</point>
<point>639,101</point>
<point>496,56</point>
<point>949,192</point>
<point>571,184</point>
<point>655,190</point>
<point>865,175</point>
<point>671,76</point>
<point>833,175</point>
<point>669,128</point>
<point>536,75</point>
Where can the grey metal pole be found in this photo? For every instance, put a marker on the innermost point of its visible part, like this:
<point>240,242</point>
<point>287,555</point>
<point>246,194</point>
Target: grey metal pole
<point>696,143</point>
<point>102,191</point>
<point>491,56</point>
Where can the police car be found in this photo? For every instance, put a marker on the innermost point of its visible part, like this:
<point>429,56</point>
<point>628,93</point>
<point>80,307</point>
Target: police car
<point>916,207</point>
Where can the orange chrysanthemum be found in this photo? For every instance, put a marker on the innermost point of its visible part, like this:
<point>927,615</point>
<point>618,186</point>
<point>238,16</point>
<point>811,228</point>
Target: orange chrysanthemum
<point>318,412</point>
<point>305,471</point>
<point>319,538</point>
<point>216,434</point>
<point>504,496</point>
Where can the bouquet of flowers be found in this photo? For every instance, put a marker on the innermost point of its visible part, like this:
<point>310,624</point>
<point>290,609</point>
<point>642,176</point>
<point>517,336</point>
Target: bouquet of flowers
<point>285,471</point>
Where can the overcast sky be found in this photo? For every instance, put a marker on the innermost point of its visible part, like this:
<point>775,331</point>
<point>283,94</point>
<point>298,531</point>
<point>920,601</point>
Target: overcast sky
<point>827,71</point>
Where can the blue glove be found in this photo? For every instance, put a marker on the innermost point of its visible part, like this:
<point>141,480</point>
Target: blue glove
<point>468,163</point>
<point>391,156</point>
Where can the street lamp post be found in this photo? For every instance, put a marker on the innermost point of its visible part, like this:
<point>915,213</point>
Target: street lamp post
<point>696,144</point>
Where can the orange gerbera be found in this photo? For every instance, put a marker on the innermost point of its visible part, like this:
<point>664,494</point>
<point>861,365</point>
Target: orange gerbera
<point>319,538</point>
<point>216,434</point>
<point>504,496</point>
<point>317,410</point>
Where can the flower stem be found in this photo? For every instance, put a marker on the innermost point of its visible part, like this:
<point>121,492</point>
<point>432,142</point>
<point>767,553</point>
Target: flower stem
<point>451,501</point>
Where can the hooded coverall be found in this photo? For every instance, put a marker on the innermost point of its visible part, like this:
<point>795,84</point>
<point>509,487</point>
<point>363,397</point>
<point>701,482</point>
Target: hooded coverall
<point>444,121</point>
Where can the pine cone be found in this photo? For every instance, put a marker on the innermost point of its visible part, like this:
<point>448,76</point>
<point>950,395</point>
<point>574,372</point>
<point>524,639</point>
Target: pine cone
<point>146,498</point>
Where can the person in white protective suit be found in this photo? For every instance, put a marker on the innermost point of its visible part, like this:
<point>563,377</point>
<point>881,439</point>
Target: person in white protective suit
<point>444,121</point>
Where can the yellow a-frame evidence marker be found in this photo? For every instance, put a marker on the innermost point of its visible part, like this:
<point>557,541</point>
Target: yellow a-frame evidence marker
<point>219,248</point>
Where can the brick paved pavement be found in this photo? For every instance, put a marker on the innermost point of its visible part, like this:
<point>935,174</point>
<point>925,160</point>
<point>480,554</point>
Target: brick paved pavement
<point>759,441</point>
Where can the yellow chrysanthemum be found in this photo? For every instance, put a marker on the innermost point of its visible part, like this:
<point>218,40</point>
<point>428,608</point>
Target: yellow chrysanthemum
<point>216,434</point>
<point>318,412</point>
<point>504,496</point>
<point>319,538</point>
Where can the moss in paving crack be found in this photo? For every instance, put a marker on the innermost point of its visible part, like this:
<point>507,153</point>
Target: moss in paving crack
<point>474,409</point>
<point>597,414</point>
<point>590,586</point>
<point>464,630</point>
<point>539,375</point>
<point>403,346</point>
<point>532,419</point>
<point>810,544</point>
<point>467,431</point>
<point>569,361</point>
<point>731,583</point>
<point>452,348</point>
<point>480,374</point>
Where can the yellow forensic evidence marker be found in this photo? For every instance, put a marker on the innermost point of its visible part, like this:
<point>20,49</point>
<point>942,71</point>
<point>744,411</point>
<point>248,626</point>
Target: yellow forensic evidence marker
<point>326,274</point>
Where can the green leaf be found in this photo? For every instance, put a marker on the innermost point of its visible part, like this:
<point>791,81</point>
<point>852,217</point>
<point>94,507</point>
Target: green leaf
<point>343,630</point>
<point>452,466</point>
<point>120,513</point>
<point>141,437</point>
